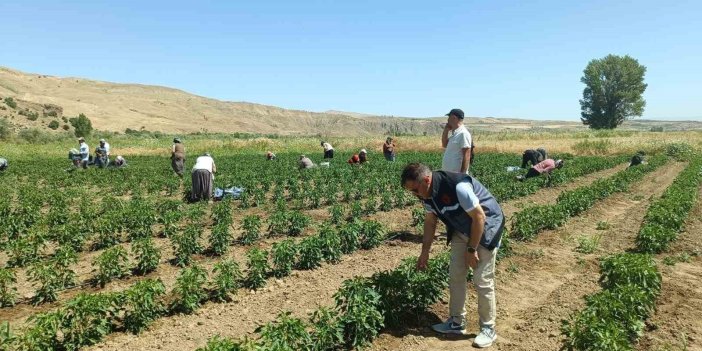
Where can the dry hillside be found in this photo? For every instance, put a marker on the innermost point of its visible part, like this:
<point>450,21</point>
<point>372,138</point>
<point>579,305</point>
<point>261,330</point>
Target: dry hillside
<point>116,107</point>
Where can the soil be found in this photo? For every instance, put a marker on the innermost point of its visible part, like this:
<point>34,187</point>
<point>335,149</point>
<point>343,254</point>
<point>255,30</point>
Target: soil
<point>301,293</point>
<point>546,280</point>
<point>677,323</point>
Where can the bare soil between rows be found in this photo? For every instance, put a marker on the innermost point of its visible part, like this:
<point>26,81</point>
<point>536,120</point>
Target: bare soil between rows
<point>301,293</point>
<point>546,280</point>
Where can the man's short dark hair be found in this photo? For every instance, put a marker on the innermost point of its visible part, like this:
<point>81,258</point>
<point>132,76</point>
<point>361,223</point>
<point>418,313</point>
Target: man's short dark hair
<point>414,172</point>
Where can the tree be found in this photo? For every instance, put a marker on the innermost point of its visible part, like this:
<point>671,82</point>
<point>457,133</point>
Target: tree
<point>614,86</point>
<point>81,125</point>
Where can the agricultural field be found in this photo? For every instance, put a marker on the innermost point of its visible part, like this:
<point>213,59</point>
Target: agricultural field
<point>323,259</point>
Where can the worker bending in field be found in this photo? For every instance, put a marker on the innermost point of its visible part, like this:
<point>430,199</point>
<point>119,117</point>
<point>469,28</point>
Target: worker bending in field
<point>533,157</point>
<point>638,159</point>
<point>328,149</point>
<point>305,162</point>
<point>270,156</point>
<point>359,159</point>
<point>203,178</point>
<point>544,167</point>
<point>178,157</point>
<point>119,162</point>
<point>3,164</point>
<point>474,222</point>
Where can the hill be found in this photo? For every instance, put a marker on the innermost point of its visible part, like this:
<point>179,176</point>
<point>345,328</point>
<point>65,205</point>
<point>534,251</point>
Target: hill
<point>41,99</point>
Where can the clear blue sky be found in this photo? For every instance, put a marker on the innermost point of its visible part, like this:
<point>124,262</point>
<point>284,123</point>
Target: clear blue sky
<point>403,58</point>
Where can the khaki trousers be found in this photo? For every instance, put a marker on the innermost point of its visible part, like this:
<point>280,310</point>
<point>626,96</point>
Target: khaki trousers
<point>483,279</point>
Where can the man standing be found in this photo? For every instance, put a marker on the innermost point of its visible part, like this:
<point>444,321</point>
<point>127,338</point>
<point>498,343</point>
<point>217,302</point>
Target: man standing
<point>458,144</point>
<point>474,222</point>
<point>389,149</point>
<point>84,151</point>
<point>178,157</point>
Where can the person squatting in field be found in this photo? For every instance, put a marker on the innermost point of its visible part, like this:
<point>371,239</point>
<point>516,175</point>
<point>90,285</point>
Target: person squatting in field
<point>533,157</point>
<point>637,159</point>
<point>3,164</point>
<point>178,157</point>
<point>544,167</point>
<point>202,178</point>
<point>474,222</point>
<point>359,159</point>
<point>457,156</point>
<point>305,162</point>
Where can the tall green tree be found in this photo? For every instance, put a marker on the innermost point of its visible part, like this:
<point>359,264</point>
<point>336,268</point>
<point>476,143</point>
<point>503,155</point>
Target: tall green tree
<point>614,86</point>
<point>81,125</point>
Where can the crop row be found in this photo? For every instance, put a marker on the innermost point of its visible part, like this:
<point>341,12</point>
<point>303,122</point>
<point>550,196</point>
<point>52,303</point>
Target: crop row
<point>87,318</point>
<point>363,307</point>
<point>614,317</point>
<point>531,220</point>
<point>666,216</point>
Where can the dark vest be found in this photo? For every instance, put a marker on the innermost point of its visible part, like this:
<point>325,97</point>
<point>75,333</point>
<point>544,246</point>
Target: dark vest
<point>444,201</point>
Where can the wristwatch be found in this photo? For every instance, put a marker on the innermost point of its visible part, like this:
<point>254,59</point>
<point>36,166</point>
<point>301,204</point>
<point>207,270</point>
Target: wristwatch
<point>472,249</point>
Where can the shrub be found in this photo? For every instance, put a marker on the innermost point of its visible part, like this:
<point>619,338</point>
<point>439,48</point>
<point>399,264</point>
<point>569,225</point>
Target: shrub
<point>87,318</point>
<point>252,228</point>
<point>227,279</point>
<point>359,305</point>
<point>220,238</point>
<point>285,334</point>
<point>283,257</point>
<point>5,129</point>
<point>372,234</point>
<point>328,333</point>
<point>189,290</point>
<point>217,343</point>
<point>330,243</point>
<point>350,236</point>
<point>54,125</point>
<point>258,268</point>
<point>143,304</point>
<point>186,244</point>
<point>147,255</point>
<point>111,264</point>
<point>310,253</point>
<point>297,223</point>
<point>10,102</point>
<point>49,279</point>
<point>81,125</point>
<point>8,292</point>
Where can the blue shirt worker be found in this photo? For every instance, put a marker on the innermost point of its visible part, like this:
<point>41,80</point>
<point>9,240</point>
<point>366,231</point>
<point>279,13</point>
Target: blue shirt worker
<point>474,222</point>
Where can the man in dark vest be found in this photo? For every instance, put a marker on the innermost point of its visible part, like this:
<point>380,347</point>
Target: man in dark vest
<point>474,222</point>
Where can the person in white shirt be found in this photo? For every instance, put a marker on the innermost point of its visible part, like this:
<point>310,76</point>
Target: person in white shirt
<point>328,149</point>
<point>202,178</point>
<point>3,164</point>
<point>84,151</point>
<point>457,145</point>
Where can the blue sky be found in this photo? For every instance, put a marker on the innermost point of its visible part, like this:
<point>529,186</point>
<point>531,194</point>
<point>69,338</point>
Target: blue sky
<point>403,58</point>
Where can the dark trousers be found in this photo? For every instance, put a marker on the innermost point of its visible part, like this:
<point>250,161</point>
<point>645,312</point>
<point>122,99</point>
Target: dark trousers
<point>532,173</point>
<point>329,153</point>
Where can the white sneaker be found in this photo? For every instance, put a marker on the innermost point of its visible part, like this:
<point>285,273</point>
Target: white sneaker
<point>486,337</point>
<point>450,327</point>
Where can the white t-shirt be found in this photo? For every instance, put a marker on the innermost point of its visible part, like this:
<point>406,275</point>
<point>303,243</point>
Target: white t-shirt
<point>84,151</point>
<point>453,155</point>
<point>107,148</point>
<point>327,147</point>
<point>204,162</point>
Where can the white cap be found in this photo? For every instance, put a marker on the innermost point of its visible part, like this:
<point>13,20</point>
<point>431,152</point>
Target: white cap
<point>363,151</point>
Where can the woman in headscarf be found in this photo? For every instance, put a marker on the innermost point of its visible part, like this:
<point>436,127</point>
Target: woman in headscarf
<point>202,178</point>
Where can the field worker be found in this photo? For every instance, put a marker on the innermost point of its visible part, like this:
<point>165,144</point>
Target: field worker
<point>74,156</point>
<point>328,149</point>
<point>354,160</point>
<point>389,149</point>
<point>544,167</point>
<point>106,146</point>
<point>363,156</point>
<point>457,153</point>
<point>270,156</point>
<point>119,162</point>
<point>178,157</point>
<point>3,164</point>
<point>533,157</point>
<point>101,159</point>
<point>305,162</point>
<point>84,151</point>
<point>474,222</point>
<point>638,159</point>
<point>202,178</point>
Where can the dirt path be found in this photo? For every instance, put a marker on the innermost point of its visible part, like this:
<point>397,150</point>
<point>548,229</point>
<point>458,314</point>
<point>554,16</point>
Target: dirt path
<point>546,280</point>
<point>677,323</point>
<point>301,293</point>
